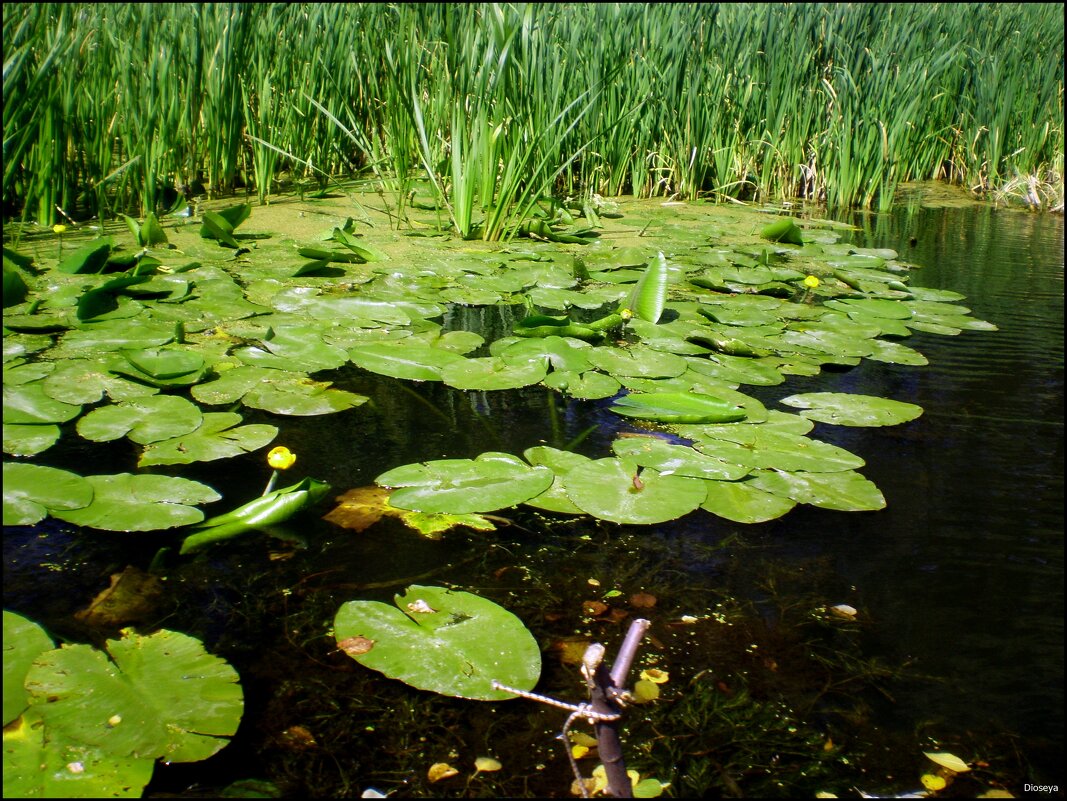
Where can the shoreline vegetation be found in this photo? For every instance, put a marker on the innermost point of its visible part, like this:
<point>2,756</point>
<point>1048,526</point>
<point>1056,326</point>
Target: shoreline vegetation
<point>133,108</point>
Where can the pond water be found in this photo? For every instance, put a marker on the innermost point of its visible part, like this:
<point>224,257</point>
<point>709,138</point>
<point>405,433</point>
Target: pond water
<point>958,582</point>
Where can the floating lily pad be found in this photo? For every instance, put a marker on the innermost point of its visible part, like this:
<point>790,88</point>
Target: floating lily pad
<point>31,492</point>
<point>160,695</point>
<point>411,361</point>
<point>638,361</point>
<point>143,420</point>
<point>589,385</point>
<point>29,439</point>
<point>24,641</point>
<point>492,372</point>
<point>678,407</point>
<point>276,391</point>
<point>678,460</point>
<point>617,490</point>
<point>457,486</point>
<point>126,502</point>
<point>742,502</point>
<point>844,491</point>
<point>435,639</point>
<point>30,404</point>
<point>844,409</point>
<point>218,437</point>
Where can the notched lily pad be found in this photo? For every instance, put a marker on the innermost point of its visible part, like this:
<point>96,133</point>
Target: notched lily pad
<point>435,639</point>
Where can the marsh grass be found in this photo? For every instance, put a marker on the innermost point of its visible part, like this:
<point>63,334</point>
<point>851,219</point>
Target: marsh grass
<point>109,107</point>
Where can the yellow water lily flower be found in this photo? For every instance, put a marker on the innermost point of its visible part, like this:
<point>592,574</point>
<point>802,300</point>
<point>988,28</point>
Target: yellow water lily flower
<point>59,228</point>
<point>281,458</point>
<point>811,282</point>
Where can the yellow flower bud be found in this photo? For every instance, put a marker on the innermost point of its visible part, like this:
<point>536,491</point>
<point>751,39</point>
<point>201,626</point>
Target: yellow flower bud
<point>59,228</point>
<point>281,458</point>
<point>811,282</point>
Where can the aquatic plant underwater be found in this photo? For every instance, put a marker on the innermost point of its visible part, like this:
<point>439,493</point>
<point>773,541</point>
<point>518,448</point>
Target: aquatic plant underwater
<point>193,339</point>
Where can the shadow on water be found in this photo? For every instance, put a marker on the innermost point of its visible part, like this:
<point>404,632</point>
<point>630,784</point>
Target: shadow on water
<point>959,581</point>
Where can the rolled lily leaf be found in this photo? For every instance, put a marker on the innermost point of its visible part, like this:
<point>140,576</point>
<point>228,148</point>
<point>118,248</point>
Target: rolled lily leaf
<point>783,231</point>
<point>647,299</point>
<point>271,509</point>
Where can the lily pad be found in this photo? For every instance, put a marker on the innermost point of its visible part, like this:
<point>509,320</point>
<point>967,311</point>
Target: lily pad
<point>844,409</point>
<point>126,502</point>
<point>410,361</point>
<point>678,407</point>
<point>678,460</point>
<point>160,695</point>
<point>435,639</point>
<point>742,502</point>
<point>218,437</point>
<point>638,361</point>
<point>492,372</point>
<point>24,641</point>
<point>32,491</point>
<point>616,490</point>
<point>144,420</point>
<point>457,486</point>
<point>844,491</point>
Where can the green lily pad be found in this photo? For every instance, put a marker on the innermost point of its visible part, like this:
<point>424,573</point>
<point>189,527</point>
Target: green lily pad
<point>32,491</point>
<point>88,380</point>
<point>589,385</point>
<point>457,486</point>
<point>160,695</point>
<point>24,641</point>
<point>30,404</point>
<point>276,391</point>
<point>845,491</point>
<point>616,490</point>
<point>126,502</point>
<point>29,439</point>
<point>637,361</point>
<point>844,409</point>
<point>410,361</point>
<point>743,503</point>
<point>758,447</point>
<point>36,766</point>
<point>218,437</point>
<point>554,499</point>
<point>678,407</point>
<point>144,420</point>
<point>492,372</point>
<point>679,460</point>
<point>435,639</point>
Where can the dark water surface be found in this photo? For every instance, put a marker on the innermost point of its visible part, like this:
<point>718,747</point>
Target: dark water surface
<point>960,578</point>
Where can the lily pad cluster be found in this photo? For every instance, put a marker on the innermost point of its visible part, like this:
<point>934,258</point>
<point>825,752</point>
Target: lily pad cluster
<point>170,345</point>
<point>85,723</point>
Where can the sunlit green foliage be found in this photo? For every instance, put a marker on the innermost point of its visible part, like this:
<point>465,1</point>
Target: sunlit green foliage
<point>113,107</point>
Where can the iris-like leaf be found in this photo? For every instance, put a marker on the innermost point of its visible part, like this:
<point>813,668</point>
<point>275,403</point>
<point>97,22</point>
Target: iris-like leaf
<point>269,510</point>
<point>647,299</point>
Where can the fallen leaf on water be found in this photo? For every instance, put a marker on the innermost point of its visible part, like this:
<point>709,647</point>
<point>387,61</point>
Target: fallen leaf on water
<point>642,600</point>
<point>570,649</point>
<point>354,646</point>
<point>298,738</point>
<point>932,782</point>
<point>439,771</point>
<point>844,611</point>
<point>950,761</point>
<point>655,675</point>
<point>486,765</point>
<point>594,608</point>
<point>132,597</point>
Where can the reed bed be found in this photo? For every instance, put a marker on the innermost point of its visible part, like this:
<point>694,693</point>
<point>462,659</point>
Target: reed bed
<point>111,107</point>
